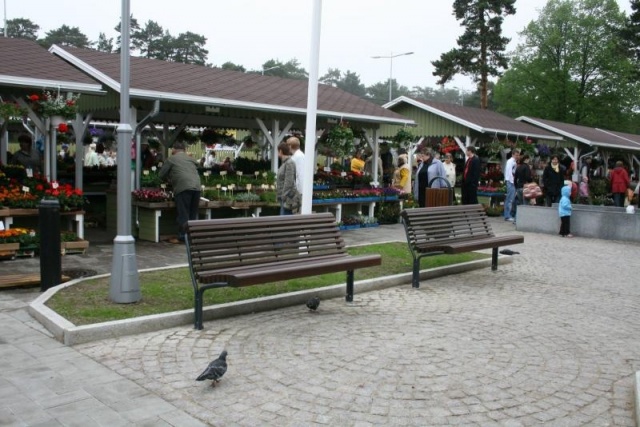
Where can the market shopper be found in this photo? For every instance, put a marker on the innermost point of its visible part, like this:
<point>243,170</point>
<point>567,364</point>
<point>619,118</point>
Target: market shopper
<point>286,192</point>
<point>471,177</point>
<point>509,179</point>
<point>620,181</point>
<point>553,180</point>
<point>181,170</point>
<point>26,156</point>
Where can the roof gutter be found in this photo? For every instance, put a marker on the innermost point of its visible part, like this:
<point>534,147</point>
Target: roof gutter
<point>556,130</point>
<point>53,84</point>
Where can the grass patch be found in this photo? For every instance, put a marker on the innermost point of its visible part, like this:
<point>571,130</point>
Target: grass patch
<point>170,290</point>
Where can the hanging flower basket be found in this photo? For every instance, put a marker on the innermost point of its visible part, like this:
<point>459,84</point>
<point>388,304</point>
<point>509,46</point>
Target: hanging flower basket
<point>49,104</point>
<point>11,109</point>
<point>337,141</point>
<point>57,121</point>
<point>402,138</point>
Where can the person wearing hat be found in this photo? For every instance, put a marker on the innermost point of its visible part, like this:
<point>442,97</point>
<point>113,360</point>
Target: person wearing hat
<point>181,170</point>
<point>64,155</point>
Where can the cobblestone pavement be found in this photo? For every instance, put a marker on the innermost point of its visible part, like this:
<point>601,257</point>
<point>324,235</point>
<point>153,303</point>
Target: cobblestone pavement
<point>546,339</point>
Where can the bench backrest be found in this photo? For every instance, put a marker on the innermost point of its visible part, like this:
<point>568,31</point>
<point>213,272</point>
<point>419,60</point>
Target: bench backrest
<point>217,244</point>
<point>432,225</point>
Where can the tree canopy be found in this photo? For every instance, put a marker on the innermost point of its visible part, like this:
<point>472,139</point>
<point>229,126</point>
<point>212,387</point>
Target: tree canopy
<point>481,47</point>
<point>349,81</point>
<point>571,68</point>
<point>21,28</point>
<point>66,36</point>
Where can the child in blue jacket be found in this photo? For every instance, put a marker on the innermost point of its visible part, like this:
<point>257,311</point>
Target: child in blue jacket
<point>564,209</point>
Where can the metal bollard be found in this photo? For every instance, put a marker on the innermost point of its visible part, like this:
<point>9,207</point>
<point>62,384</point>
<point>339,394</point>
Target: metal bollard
<point>50,262</point>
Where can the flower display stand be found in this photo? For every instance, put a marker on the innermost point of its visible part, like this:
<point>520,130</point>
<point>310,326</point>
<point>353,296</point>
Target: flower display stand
<point>9,250</point>
<point>74,247</point>
<point>350,227</point>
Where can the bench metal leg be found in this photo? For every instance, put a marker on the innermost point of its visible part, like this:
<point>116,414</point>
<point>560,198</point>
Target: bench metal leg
<point>494,259</point>
<point>415,278</point>
<point>197,311</point>
<point>349,296</point>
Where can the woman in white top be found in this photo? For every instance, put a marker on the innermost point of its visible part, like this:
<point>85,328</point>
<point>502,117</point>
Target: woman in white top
<point>450,169</point>
<point>91,158</point>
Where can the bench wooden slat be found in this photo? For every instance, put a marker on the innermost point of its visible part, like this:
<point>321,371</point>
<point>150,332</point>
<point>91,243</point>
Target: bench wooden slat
<point>251,251</point>
<point>450,230</point>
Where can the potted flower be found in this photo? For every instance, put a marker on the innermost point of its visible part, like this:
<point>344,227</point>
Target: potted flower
<point>69,198</point>
<point>11,109</point>
<point>150,195</point>
<point>55,106</point>
<point>402,138</point>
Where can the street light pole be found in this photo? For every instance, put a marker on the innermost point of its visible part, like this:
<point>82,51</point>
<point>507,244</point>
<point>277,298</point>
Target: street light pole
<point>124,286</point>
<point>390,58</point>
<point>5,19</point>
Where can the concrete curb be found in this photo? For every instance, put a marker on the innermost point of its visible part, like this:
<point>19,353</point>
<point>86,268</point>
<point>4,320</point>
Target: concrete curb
<point>70,334</point>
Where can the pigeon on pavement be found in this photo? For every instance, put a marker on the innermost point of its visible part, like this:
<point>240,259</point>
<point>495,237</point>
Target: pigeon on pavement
<point>215,370</point>
<point>313,303</point>
<point>509,252</point>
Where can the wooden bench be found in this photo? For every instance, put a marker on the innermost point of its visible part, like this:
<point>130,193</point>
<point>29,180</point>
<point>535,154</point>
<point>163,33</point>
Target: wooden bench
<point>450,230</point>
<point>251,251</point>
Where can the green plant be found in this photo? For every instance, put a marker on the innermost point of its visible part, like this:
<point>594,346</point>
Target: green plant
<point>493,210</point>
<point>11,109</point>
<point>337,141</point>
<point>402,138</point>
<point>268,196</point>
<point>387,212</point>
<point>247,197</point>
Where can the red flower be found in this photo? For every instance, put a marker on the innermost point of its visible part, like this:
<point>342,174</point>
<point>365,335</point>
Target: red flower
<point>39,187</point>
<point>62,127</point>
<point>70,102</point>
<point>34,98</point>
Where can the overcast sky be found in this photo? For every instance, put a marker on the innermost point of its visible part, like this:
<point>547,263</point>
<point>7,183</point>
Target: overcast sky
<point>250,32</point>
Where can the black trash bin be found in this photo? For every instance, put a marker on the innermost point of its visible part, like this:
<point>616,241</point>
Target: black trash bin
<point>50,258</point>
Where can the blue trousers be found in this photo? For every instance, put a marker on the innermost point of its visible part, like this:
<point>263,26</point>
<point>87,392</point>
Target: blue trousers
<point>509,200</point>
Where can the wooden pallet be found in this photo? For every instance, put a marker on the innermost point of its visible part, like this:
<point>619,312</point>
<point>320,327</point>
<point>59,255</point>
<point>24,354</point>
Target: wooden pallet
<point>23,280</point>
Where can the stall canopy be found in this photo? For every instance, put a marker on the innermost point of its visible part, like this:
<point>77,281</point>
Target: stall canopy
<point>27,68</point>
<point>217,97</point>
<point>593,137</point>
<point>442,119</point>
<point>592,140</point>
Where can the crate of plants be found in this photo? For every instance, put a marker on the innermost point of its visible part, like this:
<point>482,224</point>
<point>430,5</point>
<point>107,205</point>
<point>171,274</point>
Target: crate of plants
<point>27,239</point>
<point>70,244</point>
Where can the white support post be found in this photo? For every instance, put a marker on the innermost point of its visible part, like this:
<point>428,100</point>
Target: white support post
<point>376,158</point>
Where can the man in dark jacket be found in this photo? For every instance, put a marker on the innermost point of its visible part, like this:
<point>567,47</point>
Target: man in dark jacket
<point>181,170</point>
<point>470,177</point>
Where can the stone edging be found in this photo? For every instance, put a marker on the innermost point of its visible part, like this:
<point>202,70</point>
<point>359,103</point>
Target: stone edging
<point>70,334</point>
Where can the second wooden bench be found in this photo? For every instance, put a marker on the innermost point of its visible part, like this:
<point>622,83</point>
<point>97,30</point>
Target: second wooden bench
<point>451,230</point>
